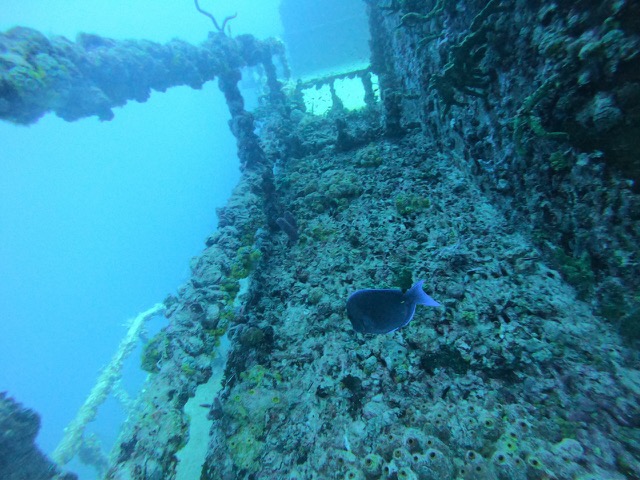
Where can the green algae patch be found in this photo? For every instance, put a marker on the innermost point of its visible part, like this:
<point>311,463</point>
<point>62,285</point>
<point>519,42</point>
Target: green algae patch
<point>245,449</point>
<point>216,334</point>
<point>255,375</point>
<point>577,271</point>
<point>152,353</point>
<point>409,204</point>
<point>247,259</point>
<point>369,156</point>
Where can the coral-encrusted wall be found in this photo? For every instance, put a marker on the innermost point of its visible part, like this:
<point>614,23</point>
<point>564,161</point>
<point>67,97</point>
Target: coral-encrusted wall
<point>514,378</point>
<point>540,101</point>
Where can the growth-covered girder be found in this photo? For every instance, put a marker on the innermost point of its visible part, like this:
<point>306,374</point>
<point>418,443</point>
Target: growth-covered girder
<point>92,75</point>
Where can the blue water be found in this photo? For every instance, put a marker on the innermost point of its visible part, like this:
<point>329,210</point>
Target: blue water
<point>98,220</point>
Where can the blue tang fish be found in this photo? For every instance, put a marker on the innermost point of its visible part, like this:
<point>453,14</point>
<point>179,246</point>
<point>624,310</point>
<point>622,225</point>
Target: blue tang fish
<point>385,310</point>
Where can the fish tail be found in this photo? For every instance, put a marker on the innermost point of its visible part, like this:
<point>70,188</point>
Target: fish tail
<point>420,297</point>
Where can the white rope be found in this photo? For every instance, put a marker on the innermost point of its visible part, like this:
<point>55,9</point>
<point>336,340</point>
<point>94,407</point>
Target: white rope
<point>72,439</point>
